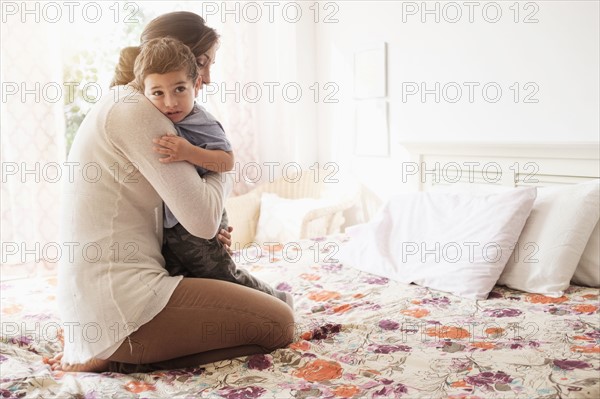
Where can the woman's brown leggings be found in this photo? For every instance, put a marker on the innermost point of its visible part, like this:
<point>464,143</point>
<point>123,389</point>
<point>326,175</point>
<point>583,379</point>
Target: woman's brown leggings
<point>203,322</point>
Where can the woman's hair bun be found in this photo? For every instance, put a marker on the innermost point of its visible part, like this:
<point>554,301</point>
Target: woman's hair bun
<point>124,69</point>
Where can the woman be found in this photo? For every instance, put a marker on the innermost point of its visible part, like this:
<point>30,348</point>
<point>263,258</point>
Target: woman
<point>121,310</point>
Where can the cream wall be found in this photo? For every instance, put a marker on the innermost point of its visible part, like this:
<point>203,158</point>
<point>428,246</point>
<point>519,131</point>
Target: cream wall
<point>559,54</point>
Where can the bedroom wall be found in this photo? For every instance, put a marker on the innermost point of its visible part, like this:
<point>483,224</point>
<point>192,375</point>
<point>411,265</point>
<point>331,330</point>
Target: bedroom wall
<point>559,55</point>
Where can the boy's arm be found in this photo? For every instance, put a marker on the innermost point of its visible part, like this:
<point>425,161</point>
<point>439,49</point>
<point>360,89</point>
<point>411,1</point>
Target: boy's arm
<point>213,160</point>
<point>176,148</point>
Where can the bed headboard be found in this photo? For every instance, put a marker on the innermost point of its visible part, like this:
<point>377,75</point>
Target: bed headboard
<point>506,164</point>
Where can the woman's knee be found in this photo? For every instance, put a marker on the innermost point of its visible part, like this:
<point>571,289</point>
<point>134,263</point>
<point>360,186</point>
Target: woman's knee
<point>281,328</point>
<point>234,315</point>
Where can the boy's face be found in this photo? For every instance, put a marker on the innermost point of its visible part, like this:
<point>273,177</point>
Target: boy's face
<point>172,93</point>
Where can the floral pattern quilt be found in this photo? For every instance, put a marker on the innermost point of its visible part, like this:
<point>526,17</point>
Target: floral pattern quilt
<point>358,335</point>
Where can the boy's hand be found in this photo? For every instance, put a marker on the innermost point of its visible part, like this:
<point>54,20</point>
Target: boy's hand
<point>175,148</point>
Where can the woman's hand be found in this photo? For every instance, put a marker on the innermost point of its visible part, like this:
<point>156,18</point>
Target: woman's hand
<point>225,237</point>
<point>175,148</point>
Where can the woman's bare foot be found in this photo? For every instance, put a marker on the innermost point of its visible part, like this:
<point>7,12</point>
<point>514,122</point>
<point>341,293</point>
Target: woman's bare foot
<point>91,366</point>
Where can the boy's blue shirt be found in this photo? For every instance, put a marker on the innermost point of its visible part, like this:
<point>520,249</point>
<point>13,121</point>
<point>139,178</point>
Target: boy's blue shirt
<point>202,130</point>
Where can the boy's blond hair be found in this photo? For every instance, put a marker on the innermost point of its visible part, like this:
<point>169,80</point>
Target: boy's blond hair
<point>164,55</point>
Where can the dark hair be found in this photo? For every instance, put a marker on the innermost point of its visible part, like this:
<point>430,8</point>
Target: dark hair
<point>185,26</point>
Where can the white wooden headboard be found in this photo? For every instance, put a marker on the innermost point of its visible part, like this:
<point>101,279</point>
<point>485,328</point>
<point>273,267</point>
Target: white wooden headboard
<point>507,164</point>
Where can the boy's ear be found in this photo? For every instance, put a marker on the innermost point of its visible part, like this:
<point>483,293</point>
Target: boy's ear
<point>198,85</point>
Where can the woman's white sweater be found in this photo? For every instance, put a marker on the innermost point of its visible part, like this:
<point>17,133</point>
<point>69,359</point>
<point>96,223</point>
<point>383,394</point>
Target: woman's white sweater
<point>111,277</point>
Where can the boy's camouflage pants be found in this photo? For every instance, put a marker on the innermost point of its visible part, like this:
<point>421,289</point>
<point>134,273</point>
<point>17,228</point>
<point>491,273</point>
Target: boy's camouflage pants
<point>190,256</point>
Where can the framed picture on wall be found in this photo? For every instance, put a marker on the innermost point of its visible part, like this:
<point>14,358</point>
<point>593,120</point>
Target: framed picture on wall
<point>372,134</point>
<point>370,71</point>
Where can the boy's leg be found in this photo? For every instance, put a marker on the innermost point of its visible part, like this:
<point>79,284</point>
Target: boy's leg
<point>173,246</point>
<point>172,237</point>
<point>200,258</point>
<point>172,262</point>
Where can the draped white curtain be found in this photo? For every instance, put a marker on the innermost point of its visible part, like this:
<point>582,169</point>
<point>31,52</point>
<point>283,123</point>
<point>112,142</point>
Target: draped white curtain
<point>264,131</point>
<point>235,64</point>
<point>32,144</point>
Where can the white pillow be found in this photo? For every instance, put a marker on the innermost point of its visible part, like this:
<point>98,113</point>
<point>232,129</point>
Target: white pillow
<point>588,270</point>
<point>553,239</point>
<point>456,227</point>
<point>280,219</point>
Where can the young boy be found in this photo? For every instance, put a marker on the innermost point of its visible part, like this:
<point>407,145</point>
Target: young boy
<point>167,73</point>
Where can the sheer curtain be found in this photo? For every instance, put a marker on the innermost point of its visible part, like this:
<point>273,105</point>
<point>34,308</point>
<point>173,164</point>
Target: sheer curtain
<point>32,146</point>
<point>265,131</point>
<point>235,64</point>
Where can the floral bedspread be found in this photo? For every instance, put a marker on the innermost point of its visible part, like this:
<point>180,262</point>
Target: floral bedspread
<point>358,335</point>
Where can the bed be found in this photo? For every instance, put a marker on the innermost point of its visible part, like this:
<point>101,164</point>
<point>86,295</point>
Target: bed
<point>358,334</point>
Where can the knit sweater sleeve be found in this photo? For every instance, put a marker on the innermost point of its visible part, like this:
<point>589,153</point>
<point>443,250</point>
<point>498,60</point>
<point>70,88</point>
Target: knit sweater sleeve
<point>195,201</point>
